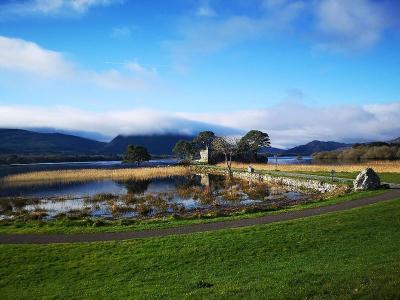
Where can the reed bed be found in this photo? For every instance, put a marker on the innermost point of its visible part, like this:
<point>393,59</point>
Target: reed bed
<point>83,175</point>
<point>378,166</point>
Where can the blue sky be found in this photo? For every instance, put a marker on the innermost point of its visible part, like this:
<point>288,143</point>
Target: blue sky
<point>300,70</point>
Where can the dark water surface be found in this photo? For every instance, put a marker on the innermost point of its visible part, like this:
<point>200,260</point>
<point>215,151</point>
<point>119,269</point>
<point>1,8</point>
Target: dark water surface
<point>23,168</point>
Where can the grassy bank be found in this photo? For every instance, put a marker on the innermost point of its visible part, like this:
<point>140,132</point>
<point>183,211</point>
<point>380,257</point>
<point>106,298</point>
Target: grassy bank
<point>342,255</point>
<point>391,175</point>
<point>385,177</point>
<point>86,224</point>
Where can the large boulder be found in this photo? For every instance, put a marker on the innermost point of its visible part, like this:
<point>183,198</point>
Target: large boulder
<point>367,180</point>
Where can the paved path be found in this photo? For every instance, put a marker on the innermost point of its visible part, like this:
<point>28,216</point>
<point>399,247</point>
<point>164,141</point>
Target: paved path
<point>112,236</point>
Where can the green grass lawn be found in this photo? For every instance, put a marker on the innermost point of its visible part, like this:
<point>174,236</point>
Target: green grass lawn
<point>342,255</point>
<point>385,177</point>
<point>88,225</point>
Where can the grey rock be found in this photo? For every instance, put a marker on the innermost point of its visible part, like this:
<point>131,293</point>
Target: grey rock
<point>367,180</point>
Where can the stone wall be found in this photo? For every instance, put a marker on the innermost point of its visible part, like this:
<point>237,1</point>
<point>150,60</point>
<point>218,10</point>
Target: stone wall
<point>291,182</point>
<point>305,184</point>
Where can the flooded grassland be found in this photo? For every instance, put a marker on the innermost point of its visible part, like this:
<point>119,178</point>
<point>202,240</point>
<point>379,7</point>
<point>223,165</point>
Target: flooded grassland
<point>175,192</point>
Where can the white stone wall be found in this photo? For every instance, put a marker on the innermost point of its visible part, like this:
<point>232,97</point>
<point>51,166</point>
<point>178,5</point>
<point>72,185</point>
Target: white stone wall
<point>307,184</point>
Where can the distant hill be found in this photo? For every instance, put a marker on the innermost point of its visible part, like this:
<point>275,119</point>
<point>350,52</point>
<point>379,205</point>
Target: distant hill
<point>155,144</point>
<point>272,150</point>
<point>395,141</point>
<point>315,146</point>
<point>17,141</point>
<point>307,149</point>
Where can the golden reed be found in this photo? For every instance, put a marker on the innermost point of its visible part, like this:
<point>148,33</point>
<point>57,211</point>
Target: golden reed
<point>82,175</point>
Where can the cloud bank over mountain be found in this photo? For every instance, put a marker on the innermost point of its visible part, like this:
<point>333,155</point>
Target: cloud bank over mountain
<point>288,123</point>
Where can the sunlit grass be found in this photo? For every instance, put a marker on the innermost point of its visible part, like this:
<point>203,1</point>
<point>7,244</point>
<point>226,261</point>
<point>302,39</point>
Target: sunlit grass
<point>82,175</point>
<point>378,166</point>
<point>347,255</point>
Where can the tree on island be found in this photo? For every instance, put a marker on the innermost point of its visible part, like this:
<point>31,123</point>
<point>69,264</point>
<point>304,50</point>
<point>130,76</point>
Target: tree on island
<point>228,146</point>
<point>136,154</point>
<point>204,139</point>
<point>253,141</point>
<point>184,150</point>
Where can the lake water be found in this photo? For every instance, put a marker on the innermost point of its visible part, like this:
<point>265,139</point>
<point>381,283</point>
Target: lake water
<point>127,199</point>
<point>23,168</point>
<point>110,198</point>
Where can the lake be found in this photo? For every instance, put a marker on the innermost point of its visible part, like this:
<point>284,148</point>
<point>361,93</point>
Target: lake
<point>143,198</point>
<point>138,198</point>
<point>23,168</point>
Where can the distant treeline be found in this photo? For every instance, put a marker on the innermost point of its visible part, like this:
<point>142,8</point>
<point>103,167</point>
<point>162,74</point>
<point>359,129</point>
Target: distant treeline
<point>358,152</point>
<point>53,158</point>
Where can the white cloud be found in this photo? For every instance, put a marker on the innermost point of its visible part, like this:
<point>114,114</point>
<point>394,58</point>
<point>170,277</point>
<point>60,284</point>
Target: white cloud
<point>121,32</point>
<point>209,35</point>
<point>205,10</point>
<point>111,123</point>
<point>114,79</point>
<point>136,68</point>
<point>213,34</point>
<point>21,55</point>
<point>355,24</point>
<point>288,124</point>
<point>51,7</point>
<point>340,25</point>
<point>292,123</point>
<point>17,55</point>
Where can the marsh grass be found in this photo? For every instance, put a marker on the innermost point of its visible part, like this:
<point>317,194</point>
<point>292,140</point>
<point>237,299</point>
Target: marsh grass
<point>83,175</point>
<point>256,190</point>
<point>36,214</point>
<point>143,209</point>
<point>75,214</point>
<point>206,196</point>
<point>232,194</point>
<point>102,197</point>
<point>145,204</point>
<point>119,210</point>
<point>378,166</point>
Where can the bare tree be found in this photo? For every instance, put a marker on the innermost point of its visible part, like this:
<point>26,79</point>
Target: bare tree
<point>228,146</point>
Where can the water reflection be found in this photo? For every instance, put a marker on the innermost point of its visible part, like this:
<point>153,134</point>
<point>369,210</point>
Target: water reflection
<point>134,198</point>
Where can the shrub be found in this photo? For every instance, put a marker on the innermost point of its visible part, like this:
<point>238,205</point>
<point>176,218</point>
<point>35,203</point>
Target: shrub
<point>143,209</point>
<point>99,222</point>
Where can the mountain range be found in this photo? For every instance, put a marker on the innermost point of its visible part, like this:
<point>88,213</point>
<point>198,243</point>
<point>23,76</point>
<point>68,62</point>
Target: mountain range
<point>18,141</point>
<point>307,149</point>
<point>159,144</point>
<point>395,141</point>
